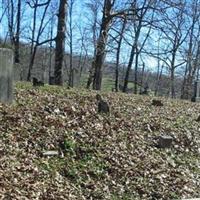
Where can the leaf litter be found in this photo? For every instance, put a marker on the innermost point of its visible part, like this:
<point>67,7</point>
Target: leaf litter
<point>101,156</point>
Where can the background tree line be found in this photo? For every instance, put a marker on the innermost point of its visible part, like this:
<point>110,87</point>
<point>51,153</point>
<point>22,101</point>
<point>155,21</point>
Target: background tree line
<point>146,42</point>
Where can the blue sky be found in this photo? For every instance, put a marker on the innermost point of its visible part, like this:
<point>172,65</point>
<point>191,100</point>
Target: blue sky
<point>81,18</point>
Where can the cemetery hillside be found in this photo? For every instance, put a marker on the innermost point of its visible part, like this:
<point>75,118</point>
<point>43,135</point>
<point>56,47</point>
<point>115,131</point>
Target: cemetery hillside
<point>99,99</point>
<point>54,144</point>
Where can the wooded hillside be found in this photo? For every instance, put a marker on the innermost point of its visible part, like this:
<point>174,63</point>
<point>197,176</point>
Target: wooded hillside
<point>140,37</point>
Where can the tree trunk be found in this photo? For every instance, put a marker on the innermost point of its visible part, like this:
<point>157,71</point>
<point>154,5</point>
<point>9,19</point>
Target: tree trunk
<point>101,44</point>
<point>91,75</point>
<point>17,56</point>
<point>190,75</point>
<point>71,70</point>
<point>142,78</point>
<point>158,80</point>
<point>60,43</point>
<point>31,63</point>
<point>172,84</point>
<point>117,70</point>
<point>133,51</point>
<point>118,56</point>
<point>51,53</point>
<point>136,71</point>
<point>172,76</point>
<point>32,43</point>
<point>129,68</point>
<point>94,33</point>
<point>35,42</point>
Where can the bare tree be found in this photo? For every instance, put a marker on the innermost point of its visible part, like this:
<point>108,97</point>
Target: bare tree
<point>83,56</point>
<point>14,24</point>
<point>101,43</point>
<point>4,10</point>
<point>35,38</point>
<point>138,24</point>
<point>51,51</point>
<point>60,42</point>
<point>118,39</point>
<point>175,33</point>
<point>93,7</point>
<point>17,36</point>
<point>171,26</point>
<point>70,34</point>
<point>158,75</point>
<point>193,50</point>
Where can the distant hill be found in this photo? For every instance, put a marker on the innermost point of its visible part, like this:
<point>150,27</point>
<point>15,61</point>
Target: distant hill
<point>44,66</point>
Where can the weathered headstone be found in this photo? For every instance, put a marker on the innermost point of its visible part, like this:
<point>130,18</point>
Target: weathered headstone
<point>156,102</point>
<point>165,141</point>
<point>128,90</point>
<point>37,82</point>
<point>6,75</point>
<point>198,119</point>
<point>113,90</point>
<point>51,80</point>
<point>145,90</point>
<point>103,106</point>
<point>196,96</point>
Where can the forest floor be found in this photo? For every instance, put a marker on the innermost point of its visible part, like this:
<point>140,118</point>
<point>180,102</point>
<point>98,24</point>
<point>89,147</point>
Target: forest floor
<point>103,156</point>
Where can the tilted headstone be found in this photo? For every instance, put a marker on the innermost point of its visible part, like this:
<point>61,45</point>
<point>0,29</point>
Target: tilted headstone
<point>196,96</point>
<point>6,75</point>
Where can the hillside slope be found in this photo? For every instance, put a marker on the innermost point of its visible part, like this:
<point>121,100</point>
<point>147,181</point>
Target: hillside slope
<point>104,156</point>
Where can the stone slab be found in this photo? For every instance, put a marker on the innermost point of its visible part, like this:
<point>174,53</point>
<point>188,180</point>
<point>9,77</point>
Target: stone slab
<point>192,199</point>
<point>6,75</point>
<point>165,141</point>
<point>50,153</point>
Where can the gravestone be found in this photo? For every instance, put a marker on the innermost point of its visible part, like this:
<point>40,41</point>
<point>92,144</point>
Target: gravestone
<point>196,96</point>
<point>145,90</point>
<point>103,106</point>
<point>156,102</point>
<point>165,141</point>
<point>192,199</point>
<point>37,82</point>
<point>6,75</point>
<point>50,153</point>
<point>51,80</point>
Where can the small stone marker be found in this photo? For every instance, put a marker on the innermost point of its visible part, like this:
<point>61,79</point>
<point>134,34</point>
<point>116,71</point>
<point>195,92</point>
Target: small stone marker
<point>192,199</point>
<point>37,82</point>
<point>196,96</point>
<point>145,90</point>
<point>51,80</point>
<point>103,106</point>
<point>165,141</point>
<point>113,90</point>
<point>198,119</point>
<point>6,75</point>
<point>50,153</point>
<point>156,102</point>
